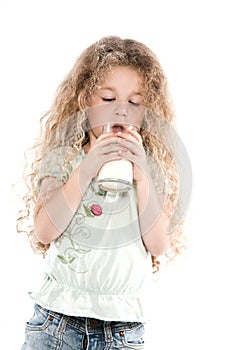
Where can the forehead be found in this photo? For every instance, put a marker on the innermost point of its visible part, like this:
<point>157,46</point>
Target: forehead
<point>122,77</point>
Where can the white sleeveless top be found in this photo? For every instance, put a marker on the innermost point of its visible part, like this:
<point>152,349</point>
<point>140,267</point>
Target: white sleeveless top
<point>99,266</point>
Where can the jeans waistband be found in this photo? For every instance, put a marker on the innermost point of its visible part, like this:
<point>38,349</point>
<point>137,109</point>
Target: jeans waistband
<point>92,324</point>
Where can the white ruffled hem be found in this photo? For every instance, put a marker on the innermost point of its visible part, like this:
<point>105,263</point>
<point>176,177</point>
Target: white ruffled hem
<point>78,302</point>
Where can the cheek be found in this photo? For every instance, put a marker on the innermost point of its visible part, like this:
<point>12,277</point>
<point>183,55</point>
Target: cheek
<point>140,120</point>
<point>94,100</point>
<point>99,115</point>
<point>97,131</point>
<point>97,118</point>
<point>136,118</point>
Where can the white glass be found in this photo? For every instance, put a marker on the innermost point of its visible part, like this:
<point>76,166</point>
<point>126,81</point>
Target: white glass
<point>116,175</point>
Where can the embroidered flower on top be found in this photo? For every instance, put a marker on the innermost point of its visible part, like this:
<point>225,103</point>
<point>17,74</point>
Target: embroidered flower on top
<point>96,209</point>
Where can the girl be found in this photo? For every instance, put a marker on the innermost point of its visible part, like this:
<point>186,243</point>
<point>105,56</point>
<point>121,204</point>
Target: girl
<point>100,245</point>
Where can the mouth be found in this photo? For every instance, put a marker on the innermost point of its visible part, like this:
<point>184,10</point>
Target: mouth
<point>118,128</point>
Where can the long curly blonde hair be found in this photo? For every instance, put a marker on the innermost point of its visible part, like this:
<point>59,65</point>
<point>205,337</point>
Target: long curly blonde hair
<point>73,95</point>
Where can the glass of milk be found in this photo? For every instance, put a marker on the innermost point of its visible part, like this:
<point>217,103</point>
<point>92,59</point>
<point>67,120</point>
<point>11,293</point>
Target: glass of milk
<point>116,175</point>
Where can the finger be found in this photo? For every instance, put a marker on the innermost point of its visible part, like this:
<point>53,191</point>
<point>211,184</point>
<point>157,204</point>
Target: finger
<point>110,156</point>
<point>132,146</point>
<point>136,135</point>
<point>105,148</point>
<point>113,148</point>
<point>131,135</point>
<point>106,136</point>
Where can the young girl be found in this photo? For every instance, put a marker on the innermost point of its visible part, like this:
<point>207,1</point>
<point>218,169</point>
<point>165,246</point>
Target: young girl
<point>101,245</point>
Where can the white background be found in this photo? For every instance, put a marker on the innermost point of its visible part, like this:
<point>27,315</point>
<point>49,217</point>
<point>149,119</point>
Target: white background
<point>193,39</point>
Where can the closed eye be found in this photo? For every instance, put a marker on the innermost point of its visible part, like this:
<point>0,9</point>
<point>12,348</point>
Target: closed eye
<point>108,99</point>
<point>134,104</point>
<point>105,99</point>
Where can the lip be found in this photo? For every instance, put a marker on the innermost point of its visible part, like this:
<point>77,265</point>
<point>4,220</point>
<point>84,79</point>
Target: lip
<point>118,128</point>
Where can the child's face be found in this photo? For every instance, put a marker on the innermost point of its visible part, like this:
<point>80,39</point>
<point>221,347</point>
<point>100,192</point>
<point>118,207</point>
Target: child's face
<point>121,90</point>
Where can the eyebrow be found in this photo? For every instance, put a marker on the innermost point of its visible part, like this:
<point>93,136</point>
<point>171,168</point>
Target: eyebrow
<point>134,93</point>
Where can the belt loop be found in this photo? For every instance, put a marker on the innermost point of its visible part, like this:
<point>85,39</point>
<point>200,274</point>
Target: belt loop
<point>87,320</point>
<point>62,324</point>
<point>107,332</point>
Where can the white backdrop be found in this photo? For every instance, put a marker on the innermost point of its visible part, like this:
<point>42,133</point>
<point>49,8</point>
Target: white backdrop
<point>193,40</point>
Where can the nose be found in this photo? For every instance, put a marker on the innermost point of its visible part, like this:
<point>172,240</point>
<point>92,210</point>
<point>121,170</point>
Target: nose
<point>120,110</point>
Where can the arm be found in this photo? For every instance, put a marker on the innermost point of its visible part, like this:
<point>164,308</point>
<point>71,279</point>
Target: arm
<point>57,205</point>
<point>152,217</point>
<point>58,201</point>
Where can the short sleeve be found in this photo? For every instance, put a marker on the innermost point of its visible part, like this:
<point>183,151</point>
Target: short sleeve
<point>56,163</point>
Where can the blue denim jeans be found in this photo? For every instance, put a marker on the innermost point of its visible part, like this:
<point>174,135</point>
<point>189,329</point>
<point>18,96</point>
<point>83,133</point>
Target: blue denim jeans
<point>48,330</point>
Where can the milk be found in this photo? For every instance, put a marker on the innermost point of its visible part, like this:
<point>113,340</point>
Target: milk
<point>116,176</point>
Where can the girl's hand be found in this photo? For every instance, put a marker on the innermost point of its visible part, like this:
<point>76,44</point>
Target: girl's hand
<point>106,148</point>
<point>132,149</point>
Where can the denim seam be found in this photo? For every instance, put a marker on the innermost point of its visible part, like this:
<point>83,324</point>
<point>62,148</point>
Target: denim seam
<point>61,330</point>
